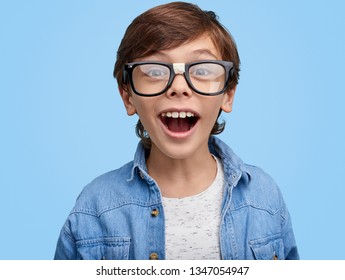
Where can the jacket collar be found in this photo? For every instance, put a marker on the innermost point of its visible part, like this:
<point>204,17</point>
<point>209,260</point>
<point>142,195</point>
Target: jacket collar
<point>234,168</point>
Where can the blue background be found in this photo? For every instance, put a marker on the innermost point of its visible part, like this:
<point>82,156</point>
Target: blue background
<point>63,123</point>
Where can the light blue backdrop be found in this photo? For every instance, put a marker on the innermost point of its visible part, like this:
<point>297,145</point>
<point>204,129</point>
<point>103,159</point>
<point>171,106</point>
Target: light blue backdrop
<point>62,121</point>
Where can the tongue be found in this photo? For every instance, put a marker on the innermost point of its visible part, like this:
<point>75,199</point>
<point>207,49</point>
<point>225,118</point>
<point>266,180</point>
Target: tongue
<point>178,124</point>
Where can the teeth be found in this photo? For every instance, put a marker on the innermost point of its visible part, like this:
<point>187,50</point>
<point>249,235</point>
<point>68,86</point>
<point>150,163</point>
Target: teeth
<point>183,115</point>
<point>176,115</point>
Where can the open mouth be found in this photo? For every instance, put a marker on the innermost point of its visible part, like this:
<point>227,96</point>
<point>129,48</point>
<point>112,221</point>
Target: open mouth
<point>179,121</point>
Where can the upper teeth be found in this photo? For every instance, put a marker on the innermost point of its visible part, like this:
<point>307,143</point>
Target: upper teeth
<point>176,115</point>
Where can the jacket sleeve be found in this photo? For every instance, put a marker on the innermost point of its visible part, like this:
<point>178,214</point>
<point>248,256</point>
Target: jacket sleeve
<point>290,250</point>
<point>66,248</point>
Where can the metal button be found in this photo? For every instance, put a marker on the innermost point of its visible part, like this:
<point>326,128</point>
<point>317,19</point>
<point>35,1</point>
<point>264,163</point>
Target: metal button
<point>153,256</point>
<point>155,212</point>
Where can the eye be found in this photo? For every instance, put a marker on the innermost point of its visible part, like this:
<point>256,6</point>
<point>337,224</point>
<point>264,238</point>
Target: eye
<point>200,71</point>
<point>206,71</point>
<point>155,71</point>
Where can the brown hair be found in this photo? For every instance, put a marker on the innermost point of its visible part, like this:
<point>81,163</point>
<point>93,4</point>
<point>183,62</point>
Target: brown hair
<point>168,26</point>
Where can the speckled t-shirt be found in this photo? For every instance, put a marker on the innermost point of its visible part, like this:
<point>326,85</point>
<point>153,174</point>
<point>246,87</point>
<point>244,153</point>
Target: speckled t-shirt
<point>192,223</point>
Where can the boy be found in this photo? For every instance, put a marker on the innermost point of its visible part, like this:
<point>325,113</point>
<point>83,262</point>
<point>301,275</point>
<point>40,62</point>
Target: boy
<point>186,195</point>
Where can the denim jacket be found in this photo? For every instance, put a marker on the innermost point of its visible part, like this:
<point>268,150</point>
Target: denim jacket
<point>120,215</point>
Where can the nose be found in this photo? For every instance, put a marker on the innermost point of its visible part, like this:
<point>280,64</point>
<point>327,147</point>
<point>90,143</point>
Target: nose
<point>179,87</point>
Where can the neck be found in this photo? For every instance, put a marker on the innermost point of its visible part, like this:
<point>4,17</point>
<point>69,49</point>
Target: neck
<point>184,177</point>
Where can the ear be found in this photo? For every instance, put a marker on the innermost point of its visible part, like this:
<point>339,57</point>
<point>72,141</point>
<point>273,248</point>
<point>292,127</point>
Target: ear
<point>127,101</point>
<point>228,100</point>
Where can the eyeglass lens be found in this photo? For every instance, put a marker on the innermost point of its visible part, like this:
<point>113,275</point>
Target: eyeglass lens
<point>206,78</point>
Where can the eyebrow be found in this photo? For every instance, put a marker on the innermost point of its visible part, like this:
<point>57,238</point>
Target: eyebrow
<point>205,51</point>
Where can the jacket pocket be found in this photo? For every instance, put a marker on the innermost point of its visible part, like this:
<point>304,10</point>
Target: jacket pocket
<point>107,248</point>
<point>268,248</point>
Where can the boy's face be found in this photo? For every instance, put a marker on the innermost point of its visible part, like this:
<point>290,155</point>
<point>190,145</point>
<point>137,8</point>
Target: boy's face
<point>168,118</point>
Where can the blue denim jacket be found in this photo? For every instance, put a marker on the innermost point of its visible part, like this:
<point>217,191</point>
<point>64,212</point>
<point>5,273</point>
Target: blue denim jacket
<point>120,215</point>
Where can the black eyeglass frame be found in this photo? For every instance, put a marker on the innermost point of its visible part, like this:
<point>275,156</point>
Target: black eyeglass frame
<point>129,67</point>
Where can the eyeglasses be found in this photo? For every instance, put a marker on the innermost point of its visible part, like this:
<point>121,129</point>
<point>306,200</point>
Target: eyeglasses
<point>206,77</point>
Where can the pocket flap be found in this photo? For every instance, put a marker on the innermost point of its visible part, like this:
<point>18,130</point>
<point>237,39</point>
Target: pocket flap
<point>269,248</point>
<point>107,248</point>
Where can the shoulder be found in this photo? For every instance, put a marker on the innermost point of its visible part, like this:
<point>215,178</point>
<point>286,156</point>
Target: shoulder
<point>108,191</point>
<point>252,186</point>
<point>259,190</point>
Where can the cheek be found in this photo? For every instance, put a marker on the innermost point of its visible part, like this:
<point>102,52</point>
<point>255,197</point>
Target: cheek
<point>144,110</point>
<point>213,107</point>
<point>212,116</point>
<point>139,105</point>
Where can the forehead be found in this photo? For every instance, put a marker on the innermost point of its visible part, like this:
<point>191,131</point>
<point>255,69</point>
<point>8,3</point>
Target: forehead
<point>201,48</point>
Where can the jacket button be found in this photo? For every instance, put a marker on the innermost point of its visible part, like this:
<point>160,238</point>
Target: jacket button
<point>154,212</point>
<point>153,256</point>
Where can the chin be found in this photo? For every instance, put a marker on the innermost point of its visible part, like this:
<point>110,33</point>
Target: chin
<point>178,150</point>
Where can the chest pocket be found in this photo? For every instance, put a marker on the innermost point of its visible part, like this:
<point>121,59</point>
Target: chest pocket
<point>107,248</point>
<point>270,248</point>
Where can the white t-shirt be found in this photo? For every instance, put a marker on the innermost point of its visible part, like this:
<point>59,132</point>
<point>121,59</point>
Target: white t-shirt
<point>192,223</point>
